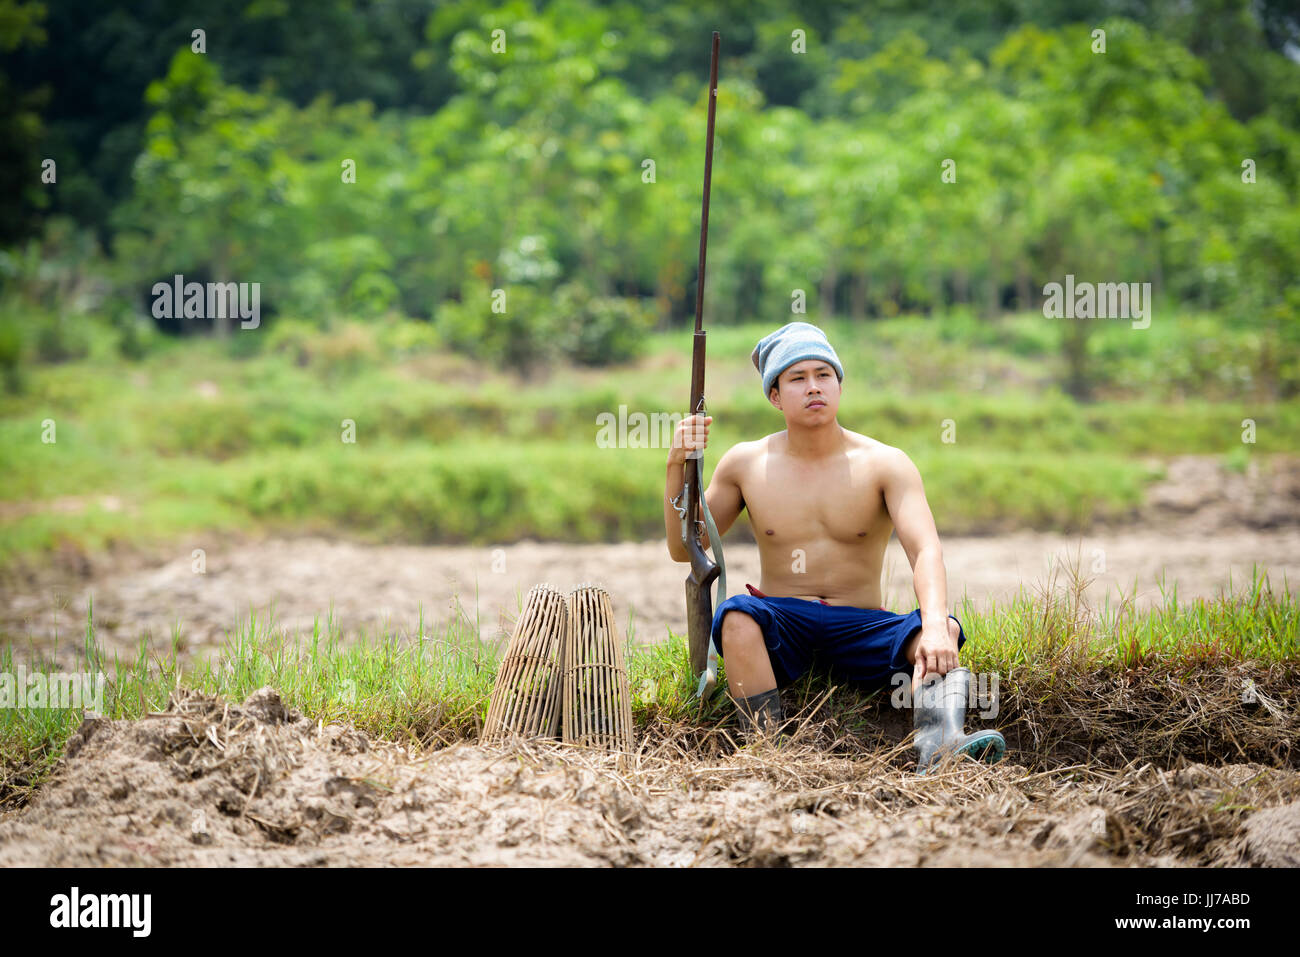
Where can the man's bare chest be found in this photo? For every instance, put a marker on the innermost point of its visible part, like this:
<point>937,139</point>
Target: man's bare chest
<point>796,505</point>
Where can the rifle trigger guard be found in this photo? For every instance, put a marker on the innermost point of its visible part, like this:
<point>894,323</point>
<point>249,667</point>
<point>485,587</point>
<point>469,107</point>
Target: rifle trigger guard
<point>681,509</point>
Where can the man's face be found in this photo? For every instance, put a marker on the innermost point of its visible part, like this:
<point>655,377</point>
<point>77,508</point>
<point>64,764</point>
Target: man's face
<point>808,392</point>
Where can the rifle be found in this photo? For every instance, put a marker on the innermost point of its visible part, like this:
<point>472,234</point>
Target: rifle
<point>699,599</point>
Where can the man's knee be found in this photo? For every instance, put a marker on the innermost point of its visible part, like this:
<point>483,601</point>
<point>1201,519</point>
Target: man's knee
<point>740,631</point>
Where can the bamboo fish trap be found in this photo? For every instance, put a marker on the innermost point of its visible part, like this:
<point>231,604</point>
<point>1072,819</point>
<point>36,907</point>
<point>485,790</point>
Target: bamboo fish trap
<point>526,695</point>
<point>597,697</point>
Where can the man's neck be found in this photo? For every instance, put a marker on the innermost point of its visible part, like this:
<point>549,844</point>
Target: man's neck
<point>815,443</point>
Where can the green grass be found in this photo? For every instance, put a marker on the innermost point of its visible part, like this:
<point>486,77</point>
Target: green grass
<point>202,435</point>
<point>1252,623</point>
<point>427,690</point>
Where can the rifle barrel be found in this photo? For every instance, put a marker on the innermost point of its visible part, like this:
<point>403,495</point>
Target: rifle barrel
<point>708,176</point>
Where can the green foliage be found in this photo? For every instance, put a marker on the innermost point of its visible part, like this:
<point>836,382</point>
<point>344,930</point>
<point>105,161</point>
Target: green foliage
<point>451,448</point>
<point>596,330</point>
<point>529,171</point>
<point>563,169</point>
<point>52,299</point>
<point>1238,459</point>
<point>60,338</point>
<point>22,127</point>
<point>405,339</point>
<point>512,329</point>
<point>522,329</point>
<point>11,355</point>
<point>293,338</point>
<point>1067,159</point>
<point>137,337</point>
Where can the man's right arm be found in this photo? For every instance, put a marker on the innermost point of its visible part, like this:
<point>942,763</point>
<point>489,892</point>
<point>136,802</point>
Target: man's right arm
<point>672,519</point>
<point>723,494</point>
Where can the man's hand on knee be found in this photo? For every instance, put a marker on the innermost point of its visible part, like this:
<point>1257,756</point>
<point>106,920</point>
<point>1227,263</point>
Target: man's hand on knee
<point>935,650</point>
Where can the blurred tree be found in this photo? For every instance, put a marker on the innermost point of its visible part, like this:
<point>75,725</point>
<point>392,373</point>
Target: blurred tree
<point>21,127</point>
<point>570,152</point>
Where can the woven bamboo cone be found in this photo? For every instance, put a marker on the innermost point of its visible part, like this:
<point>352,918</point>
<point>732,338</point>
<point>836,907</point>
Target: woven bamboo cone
<point>597,697</point>
<point>526,694</point>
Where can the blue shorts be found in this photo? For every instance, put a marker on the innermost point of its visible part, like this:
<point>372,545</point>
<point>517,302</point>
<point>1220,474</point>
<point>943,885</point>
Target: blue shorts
<point>859,645</point>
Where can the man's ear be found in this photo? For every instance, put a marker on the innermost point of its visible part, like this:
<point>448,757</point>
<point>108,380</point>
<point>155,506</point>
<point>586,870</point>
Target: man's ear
<point>774,396</point>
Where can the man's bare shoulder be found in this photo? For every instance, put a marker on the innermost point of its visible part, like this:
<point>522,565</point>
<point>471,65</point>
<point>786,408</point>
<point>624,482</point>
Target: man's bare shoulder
<point>873,447</point>
<point>894,466</point>
<point>748,452</point>
<point>739,456</point>
<point>771,444</point>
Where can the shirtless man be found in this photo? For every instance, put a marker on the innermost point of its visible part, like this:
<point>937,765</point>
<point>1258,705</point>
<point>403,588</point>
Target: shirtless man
<point>822,501</point>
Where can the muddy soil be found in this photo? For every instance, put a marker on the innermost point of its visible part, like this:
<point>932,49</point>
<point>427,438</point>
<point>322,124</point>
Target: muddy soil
<point>376,588</point>
<point>209,783</point>
<point>1202,530</point>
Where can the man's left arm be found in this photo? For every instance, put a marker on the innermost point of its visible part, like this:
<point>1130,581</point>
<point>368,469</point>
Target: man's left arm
<point>913,521</point>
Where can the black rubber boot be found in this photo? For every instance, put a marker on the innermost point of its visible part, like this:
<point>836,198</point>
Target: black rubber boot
<point>762,713</point>
<point>939,717</point>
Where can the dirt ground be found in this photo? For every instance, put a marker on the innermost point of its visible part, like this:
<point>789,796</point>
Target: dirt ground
<point>374,587</point>
<point>1202,528</point>
<point>212,783</point>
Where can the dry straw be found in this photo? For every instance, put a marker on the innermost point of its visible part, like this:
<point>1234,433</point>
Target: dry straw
<point>597,698</point>
<point>526,694</point>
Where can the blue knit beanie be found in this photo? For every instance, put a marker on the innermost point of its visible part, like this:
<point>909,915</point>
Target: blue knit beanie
<point>793,342</point>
